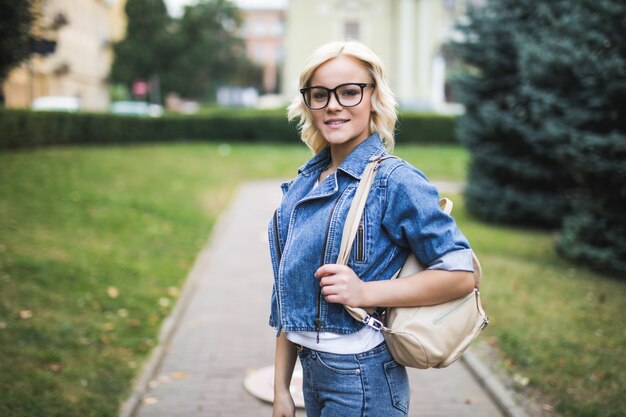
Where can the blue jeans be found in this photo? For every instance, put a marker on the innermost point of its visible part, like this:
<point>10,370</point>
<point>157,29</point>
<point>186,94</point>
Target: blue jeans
<point>369,384</point>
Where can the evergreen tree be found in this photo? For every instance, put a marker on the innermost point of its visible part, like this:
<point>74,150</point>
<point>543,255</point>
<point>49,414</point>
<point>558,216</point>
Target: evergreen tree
<point>16,20</point>
<point>510,180</point>
<point>573,73</point>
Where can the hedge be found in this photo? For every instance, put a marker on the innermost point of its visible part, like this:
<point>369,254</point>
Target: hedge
<point>26,129</point>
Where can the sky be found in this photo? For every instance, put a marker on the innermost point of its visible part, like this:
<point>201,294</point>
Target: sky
<point>175,7</point>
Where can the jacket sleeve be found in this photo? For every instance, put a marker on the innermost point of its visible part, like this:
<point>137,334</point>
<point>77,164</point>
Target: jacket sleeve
<point>412,219</point>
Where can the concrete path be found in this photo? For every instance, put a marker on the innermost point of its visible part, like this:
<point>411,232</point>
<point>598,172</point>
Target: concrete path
<point>219,332</point>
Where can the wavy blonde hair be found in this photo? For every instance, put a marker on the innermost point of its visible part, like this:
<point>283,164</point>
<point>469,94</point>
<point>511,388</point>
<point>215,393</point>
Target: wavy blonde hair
<point>382,120</point>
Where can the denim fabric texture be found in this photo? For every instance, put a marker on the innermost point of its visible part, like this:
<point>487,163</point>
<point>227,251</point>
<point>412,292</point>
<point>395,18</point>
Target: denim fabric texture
<point>401,215</point>
<point>369,384</point>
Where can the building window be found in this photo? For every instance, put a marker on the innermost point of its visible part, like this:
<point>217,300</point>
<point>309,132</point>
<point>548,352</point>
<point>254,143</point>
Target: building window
<point>277,28</point>
<point>259,54</point>
<point>351,30</point>
<point>259,28</point>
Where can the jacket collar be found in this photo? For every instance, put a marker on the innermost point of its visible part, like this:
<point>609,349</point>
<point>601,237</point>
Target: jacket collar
<point>353,164</point>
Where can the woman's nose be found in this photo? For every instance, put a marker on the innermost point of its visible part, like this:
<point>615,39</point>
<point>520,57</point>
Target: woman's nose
<point>333,103</point>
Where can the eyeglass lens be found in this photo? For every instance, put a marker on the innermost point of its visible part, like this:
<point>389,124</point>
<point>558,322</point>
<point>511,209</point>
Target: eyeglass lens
<point>347,95</point>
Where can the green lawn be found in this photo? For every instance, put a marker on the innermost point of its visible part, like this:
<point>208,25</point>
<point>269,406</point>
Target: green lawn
<point>95,243</point>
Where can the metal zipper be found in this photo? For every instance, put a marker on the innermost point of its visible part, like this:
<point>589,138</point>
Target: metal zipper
<point>279,253</point>
<point>277,240</point>
<point>360,242</point>
<point>319,289</point>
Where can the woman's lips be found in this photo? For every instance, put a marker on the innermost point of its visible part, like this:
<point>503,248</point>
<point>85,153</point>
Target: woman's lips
<point>336,123</point>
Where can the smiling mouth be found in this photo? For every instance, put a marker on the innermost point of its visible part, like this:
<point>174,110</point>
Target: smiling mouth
<point>336,122</point>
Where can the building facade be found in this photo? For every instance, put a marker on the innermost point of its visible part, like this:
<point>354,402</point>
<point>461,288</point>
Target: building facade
<point>406,34</point>
<point>79,66</point>
<point>263,32</point>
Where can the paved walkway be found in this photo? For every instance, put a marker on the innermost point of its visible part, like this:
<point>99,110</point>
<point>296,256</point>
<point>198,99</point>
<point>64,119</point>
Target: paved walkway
<point>218,333</point>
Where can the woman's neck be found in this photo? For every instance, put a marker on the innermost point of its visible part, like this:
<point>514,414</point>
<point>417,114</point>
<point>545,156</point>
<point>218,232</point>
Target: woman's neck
<point>339,152</point>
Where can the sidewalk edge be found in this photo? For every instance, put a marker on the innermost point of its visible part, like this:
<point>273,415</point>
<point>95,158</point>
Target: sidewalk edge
<point>499,393</point>
<point>151,367</point>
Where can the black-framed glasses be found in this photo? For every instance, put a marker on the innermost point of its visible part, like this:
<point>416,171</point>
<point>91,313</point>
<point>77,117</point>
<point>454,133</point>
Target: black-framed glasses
<point>347,95</point>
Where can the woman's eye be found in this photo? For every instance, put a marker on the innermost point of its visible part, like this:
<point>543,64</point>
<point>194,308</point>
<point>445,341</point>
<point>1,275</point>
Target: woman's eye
<point>350,92</point>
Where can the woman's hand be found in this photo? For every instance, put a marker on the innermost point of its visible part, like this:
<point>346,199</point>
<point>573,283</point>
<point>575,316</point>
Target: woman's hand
<point>284,362</point>
<point>283,405</point>
<point>341,285</point>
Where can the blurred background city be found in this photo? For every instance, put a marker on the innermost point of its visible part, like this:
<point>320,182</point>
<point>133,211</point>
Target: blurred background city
<point>184,54</point>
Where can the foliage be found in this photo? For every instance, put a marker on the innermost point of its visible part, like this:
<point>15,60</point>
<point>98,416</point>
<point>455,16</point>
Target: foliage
<point>545,93</point>
<point>21,129</point>
<point>581,115</point>
<point>510,180</point>
<point>16,20</point>
<point>190,56</point>
<point>210,53</point>
<point>148,50</point>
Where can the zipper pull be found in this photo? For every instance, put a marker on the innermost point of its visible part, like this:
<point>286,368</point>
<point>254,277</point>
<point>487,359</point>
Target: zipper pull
<point>317,329</point>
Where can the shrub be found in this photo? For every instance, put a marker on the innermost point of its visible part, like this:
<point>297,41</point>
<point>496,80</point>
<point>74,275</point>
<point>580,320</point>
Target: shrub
<point>23,129</point>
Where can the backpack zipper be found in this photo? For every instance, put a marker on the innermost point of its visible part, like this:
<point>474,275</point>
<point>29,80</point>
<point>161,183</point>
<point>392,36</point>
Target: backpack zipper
<point>454,308</point>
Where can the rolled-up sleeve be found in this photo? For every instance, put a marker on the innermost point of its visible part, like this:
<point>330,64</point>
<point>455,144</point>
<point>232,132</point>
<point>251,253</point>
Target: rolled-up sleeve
<point>412,219</point>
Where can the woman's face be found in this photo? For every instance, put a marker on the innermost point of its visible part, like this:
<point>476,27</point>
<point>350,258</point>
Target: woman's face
<point>341,126</point>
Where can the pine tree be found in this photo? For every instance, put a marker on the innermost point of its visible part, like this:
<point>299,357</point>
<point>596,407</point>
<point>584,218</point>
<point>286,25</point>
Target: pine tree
<point>510,180</point>
<point>573,74</point>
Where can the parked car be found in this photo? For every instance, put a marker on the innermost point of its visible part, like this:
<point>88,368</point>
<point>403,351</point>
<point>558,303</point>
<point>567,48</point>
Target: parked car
<point>56,103</point>
<point>136,108</point>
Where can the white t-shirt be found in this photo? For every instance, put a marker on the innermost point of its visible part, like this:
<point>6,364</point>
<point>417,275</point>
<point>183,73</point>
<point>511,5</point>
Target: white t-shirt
<point>353,343</point>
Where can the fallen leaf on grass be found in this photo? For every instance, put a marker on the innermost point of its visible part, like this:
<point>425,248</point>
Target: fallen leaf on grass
<point>25,314</point>
<point>56,367</point>
<point>173,292</point>
<point>598,375</point>
<point>521,380</point>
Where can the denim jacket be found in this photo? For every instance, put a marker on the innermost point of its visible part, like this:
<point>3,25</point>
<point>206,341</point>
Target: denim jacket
<point>401,215</point>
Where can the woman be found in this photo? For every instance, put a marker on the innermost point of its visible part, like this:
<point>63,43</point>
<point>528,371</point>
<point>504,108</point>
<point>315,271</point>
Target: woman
<point>347,116</point>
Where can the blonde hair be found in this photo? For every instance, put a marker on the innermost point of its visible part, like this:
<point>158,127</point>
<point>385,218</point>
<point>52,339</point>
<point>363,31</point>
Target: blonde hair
<point>382,120</point>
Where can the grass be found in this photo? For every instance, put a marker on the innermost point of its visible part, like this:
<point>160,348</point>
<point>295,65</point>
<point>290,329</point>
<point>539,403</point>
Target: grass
<point>95,244</point>
<point>557,325</point>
